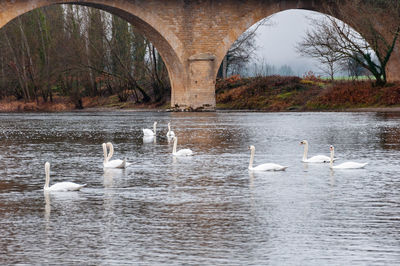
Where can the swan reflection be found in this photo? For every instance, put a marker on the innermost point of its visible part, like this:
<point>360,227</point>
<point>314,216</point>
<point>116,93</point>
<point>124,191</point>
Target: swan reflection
<point>251,187</point>
<point>110,174</point>
<point>47,207</point>
<point>61,198</point>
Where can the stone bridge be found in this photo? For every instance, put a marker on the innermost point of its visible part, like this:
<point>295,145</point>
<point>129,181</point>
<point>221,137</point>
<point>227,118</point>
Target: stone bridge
<point>192,36</point>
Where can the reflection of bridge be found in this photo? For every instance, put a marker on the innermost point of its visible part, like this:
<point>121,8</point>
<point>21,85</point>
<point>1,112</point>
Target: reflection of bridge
<point>191,36</point>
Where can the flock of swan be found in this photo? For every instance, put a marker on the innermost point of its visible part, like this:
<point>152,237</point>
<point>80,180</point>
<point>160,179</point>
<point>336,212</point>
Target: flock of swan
<point>108,151</point>
<point>314,159</point>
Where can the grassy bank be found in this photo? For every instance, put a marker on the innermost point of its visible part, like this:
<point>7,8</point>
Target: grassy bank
<point>276,93</point>
<point>64,104</point>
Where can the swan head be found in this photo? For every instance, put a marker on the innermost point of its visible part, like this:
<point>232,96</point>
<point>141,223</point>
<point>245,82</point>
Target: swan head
<point>252,148</point>
<point>331,148</point>
<point>303,142</point>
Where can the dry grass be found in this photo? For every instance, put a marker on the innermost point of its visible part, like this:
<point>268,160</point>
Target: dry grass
<point>274,93</point>
<point>59,104</point>
<point>356,94</point>
<point>278,93</point>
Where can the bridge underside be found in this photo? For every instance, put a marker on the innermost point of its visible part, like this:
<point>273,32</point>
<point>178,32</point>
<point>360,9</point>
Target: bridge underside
<point>191,36</point>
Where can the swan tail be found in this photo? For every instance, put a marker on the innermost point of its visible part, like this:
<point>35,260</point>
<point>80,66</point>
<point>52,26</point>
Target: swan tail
<point>79,187</point>
<point>123,165</point>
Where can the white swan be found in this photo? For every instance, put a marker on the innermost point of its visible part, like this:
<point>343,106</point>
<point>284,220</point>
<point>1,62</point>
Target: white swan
<point>149,139</point>
<point>170,133</point>
<point>149,132</point>
<point>62,186</point>
<point>114,163</point>
<point>314,159</point>
<point>265,166</point>
<point>346,165</point>
<point>183,152</point>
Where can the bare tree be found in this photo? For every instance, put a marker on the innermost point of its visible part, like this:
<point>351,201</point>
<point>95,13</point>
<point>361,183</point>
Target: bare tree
<point>241,51</point>
<point>354,69</point>
<point>332,41</point>
<point>285,70</point>
<point>318,44</point>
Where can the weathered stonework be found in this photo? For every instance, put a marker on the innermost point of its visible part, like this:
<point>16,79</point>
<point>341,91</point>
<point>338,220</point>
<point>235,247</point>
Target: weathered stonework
<point>191,36</point>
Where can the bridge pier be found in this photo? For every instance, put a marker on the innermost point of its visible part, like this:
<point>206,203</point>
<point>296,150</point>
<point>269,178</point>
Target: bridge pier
<point>393,67</point>
<point>201,81</point>
<point>197,92</point>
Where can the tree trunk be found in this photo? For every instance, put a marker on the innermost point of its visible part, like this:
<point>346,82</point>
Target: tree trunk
<point>18,70</point>
<point>28,53</point>
<point>225,67</point>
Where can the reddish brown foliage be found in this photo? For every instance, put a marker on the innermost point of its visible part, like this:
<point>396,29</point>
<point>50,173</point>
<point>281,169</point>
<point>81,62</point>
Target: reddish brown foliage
<point>357,94</point>
<point>274,93</point>
<point>59,104</point>
<point>391,95</point>
<point>278,93</point>
<point>311,77</point>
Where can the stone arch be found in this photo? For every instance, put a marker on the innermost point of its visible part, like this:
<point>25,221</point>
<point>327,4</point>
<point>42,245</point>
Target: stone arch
<point>191,36</point>
<point>138,14</point>
<point>261,10</point>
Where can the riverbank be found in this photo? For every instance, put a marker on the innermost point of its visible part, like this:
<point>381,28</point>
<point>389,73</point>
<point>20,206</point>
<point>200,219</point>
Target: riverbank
<point>268,94</point>
<point>276,93</point>
<point>65,104</point>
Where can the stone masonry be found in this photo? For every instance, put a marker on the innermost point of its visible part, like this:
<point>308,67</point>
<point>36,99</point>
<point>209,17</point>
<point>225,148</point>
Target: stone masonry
<point>191,36</point>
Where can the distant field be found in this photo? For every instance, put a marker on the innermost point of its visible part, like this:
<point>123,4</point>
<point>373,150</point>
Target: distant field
<point>346,78</point>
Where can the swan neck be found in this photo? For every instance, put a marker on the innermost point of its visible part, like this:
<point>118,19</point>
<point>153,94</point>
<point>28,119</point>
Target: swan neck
<point>111,153</point>
<point>305,151</point>
<point>331,160</point>
<point>251,159</point>
<point>175,144</point>
<point>155,128</point>
<point>169,127</point>
<point>105,152</point>
<point>47,171</point>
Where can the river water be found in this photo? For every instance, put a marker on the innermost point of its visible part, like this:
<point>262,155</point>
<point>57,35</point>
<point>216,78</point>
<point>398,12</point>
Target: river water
<point>207,209</point>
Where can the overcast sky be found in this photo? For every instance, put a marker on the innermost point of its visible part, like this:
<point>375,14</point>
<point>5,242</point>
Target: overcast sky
<point>277,42</point>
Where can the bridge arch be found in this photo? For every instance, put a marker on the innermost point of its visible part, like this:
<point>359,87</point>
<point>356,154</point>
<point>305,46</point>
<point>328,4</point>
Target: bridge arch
<point>191,36</point>
<point>264,10</point>
<point>145,22</point>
